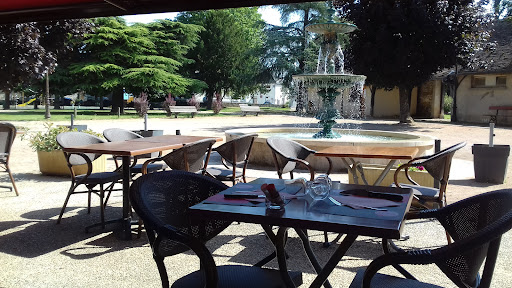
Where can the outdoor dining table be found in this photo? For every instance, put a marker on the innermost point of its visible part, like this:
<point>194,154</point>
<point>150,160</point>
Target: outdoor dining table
<point>300,215</point>
<point>128,149</point>
<point>368,152</point>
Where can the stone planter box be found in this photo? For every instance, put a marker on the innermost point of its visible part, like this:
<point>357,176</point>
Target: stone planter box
<point>54,164</point>
<point>372,172</point>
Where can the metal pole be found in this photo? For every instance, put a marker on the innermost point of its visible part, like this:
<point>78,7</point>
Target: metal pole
<point>491,134</point>
<point>146,122</point>
<point>72,118</point>
<point>118,112</point>
<point>437,148</point>
<point>74,111</point>
<point>178,132</point>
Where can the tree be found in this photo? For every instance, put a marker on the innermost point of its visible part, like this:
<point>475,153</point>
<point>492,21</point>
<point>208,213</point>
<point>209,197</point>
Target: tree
<point>30,50</point>
<point>124,58</point>
<point>289,48</point>
<point>227,56</point>
<point>500,8</point>
<point>402,43</point>
<point>23,58</point>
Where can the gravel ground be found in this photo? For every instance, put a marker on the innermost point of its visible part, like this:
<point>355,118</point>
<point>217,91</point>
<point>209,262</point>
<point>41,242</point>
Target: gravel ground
<point>35,252</point>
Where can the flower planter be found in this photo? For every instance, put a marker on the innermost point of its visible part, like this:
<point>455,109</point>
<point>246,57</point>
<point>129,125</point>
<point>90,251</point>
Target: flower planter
<point>490,163</point>
<point>54,163</point>
<point>372,172</point>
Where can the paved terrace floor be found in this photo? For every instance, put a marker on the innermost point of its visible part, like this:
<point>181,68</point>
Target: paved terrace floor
<point>35,252</point>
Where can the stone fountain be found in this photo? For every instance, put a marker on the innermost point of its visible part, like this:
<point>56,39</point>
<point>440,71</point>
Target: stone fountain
<point>329,82</point>
<point>330,78</point>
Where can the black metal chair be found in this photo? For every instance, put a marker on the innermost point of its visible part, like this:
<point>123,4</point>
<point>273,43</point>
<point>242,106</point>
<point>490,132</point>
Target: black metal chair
<point>190,157</point>
<point>476,225</point>
<point>89,180</point>
<point>7,135</point>
<point>118,134</point>
<point>288,153</point>
<point>438,166</point>
<point>233,153</point>
<point>162,200</point>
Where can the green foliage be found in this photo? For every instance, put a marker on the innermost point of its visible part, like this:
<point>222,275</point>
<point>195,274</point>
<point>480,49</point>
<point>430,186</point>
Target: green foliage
<point>402,43</point>
<point>47,140</point>
<point>287,50</point>
<point>227,56</point>
<point>448,104</point>
<point>139,58</point>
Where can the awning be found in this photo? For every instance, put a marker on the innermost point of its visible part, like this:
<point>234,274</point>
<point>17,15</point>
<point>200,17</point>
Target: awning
<point>19,11</point>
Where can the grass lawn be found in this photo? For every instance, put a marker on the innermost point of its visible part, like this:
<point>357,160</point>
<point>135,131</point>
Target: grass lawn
<point>96,114</point>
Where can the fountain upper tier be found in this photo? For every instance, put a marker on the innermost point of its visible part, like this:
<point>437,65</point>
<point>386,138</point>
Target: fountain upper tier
<point>329,80</point>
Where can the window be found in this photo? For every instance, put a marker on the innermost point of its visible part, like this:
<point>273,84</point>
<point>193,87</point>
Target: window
<point>501,81</point>
<point>477,81</point>
<point>488,81</point>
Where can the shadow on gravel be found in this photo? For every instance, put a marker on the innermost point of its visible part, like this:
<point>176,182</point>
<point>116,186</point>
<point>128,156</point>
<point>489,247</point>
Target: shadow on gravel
<point>41,234</point>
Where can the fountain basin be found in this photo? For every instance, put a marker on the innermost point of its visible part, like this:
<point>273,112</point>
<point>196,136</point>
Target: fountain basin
<point>261,155</point>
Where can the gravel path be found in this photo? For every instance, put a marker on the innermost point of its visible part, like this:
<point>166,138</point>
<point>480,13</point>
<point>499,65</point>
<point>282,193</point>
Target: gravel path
<point>35,252</point>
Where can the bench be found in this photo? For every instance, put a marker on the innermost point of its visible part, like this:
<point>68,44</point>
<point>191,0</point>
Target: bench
<point>246,109</point>
<point>494,117</point>
<point>183,109</point>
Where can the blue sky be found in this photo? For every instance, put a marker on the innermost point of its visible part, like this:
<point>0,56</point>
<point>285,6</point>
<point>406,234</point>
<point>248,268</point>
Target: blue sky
<point>269,15</point>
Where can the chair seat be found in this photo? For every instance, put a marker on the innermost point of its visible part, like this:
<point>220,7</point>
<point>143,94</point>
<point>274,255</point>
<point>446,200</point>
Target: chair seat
<point>151,167</point>
<point>422,191</point>
<point>223,174</point>
<point>236,276</point>
<point>387,281</point>
<point>101,177</point>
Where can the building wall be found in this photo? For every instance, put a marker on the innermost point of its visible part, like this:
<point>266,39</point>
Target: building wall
<point>387,103</point>
<point>473,103</point>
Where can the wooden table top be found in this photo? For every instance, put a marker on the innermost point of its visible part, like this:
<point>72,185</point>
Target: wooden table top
<point>139,146</point>
<point>296,214</point>
<point>405,153</point>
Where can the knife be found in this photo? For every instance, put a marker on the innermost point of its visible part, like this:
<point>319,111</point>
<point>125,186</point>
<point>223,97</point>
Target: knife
<point>243,196</point>
<point>370,194</point>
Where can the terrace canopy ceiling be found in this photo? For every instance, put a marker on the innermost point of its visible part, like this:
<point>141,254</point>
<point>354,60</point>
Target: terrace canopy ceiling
<point>19,11</point>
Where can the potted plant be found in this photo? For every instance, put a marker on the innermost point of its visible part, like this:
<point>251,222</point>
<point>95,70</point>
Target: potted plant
<point>373,171</point>
<point>141,105</point>
<point>50,156</point>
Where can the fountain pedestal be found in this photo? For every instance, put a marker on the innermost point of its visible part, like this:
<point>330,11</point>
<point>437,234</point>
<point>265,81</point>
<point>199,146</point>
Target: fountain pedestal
<point>328,114</point>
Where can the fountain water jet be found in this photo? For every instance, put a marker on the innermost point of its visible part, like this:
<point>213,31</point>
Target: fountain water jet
<point>330,76</point>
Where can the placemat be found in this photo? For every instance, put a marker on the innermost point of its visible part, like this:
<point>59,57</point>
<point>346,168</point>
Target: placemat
<point>286,191</point>
<point>392,213</point>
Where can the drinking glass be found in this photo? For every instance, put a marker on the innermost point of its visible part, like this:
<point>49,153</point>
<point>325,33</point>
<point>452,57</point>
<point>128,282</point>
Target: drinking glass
<point>317,190</point>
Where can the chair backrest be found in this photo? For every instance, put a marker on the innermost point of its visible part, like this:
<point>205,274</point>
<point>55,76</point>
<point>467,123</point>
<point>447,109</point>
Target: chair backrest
<point>285,149</point>
<point>7,135</point>
<point>237,150</point>
<point>162,199</point>
<point>118,134</point>
<point>476,224</point>
<point>73,139</point>
<point>438,165</point>
<point>190,157</point>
